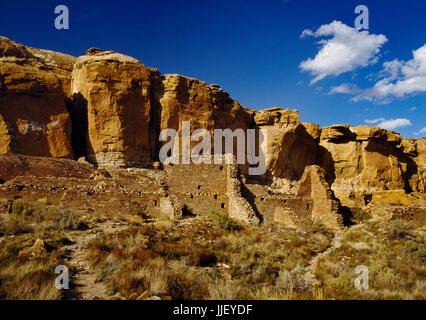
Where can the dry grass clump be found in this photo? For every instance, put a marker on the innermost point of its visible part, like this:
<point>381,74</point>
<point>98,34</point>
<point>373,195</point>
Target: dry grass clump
<point>393,252</point>
<point>398,229</point>
<point>211,257</point>
<point>29,217</point>
<point>29,278</point>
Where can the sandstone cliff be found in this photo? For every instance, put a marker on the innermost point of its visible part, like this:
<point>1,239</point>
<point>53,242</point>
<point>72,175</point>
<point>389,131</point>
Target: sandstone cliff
<point>110,109</point>
<point>362,159</point>
<point>111,92</point>
<point>33,115</point>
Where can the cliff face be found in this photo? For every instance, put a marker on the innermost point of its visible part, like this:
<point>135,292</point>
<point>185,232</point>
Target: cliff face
<point>110,108</point>
<point>33,115</point>
<point>113,90</point>
<point>290,148</point>
<point>362,159</point>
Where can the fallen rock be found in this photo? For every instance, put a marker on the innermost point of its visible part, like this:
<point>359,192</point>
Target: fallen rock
<point>37,250</point>
<point>143,296</point>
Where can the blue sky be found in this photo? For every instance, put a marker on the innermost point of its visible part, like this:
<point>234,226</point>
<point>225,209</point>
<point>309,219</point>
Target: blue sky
<point>254,50</point>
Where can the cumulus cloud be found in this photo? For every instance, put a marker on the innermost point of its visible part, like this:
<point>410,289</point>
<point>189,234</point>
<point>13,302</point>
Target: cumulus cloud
<point>413,108</point>
<point>398,79</point>
<point>390,124</point>
<point>374,120</point>
<point>347,88</point>
<point>346,50</point>
<point>421,131</point>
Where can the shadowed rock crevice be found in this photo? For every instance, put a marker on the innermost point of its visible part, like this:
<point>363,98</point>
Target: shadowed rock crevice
<point>77,109</point>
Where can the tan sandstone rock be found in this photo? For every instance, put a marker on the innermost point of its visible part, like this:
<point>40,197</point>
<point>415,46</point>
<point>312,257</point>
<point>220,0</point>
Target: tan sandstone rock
<point>290,148</point>
<point>33,115</point>
<point>114,90</point>
<point>205,107</point>
<point>362,159</point>
<point>416,154</point>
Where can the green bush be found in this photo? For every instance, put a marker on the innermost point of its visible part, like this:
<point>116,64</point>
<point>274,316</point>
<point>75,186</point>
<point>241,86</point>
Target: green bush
<point>361,215</point>
<point>137,210</point>
<point>17,224</point>
<point>224,222</point>
<point>69,220</point>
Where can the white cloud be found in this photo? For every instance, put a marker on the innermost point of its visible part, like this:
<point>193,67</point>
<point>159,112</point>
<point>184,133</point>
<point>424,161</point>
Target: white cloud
<point>421,131</point>
<point>390,124</point>
<point>398,79</point>
<point>374,120</point>
<point>347,88</point>
<point>413,108</point>
<point>345,51</point>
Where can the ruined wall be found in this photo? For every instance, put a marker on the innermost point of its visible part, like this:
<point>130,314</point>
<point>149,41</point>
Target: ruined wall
<point>201,187</point>
<point>275,207</point>
<point>325,207</point>
<point>239,207</point>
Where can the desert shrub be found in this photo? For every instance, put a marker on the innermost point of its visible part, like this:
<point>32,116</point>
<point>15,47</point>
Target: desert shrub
<point>293,280</point>
<point>21,208</point>
<point>202,258</point>
<point>26,217</point>
<point>416,248</point>
<point>361,215</point>
<point>310,225</point>
<point>222,221</point>
<point>398,229</point>
<point>69,220</point>
<point>138,210</point>
<point>340,286</point>
<point>185,287</point>
<point>225,290</point>
<point>29,278</point>
<point>17,224</point>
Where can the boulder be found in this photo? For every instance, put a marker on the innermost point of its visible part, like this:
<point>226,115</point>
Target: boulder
<point>336,133</point>
<point>314,130</point>
<point>37,250</point>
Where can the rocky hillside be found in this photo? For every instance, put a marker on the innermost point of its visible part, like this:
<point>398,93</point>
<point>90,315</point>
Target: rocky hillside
<point>110,109</point>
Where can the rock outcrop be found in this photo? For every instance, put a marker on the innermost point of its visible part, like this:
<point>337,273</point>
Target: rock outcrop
<point>12,166</point>
<point>362,159</point>
<point>290,148</point>
<point>178,98</point>
<point>109,109</point>
<point>114,90</point>
<point>33,115</point>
